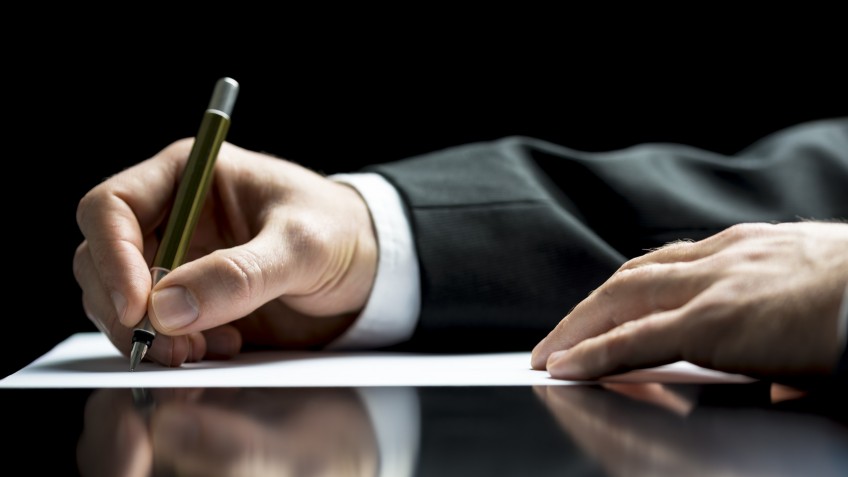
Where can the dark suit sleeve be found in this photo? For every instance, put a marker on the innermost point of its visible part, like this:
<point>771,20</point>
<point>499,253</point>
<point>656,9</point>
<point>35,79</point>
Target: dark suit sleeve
<point>511,234</point>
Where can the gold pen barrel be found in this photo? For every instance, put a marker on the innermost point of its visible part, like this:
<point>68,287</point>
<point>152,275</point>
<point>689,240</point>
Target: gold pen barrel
<point>197,176</point>
<point>188,200</point>
<point>191,193</point>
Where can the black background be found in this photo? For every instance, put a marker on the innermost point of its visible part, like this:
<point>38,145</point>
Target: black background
<point>91,104</point>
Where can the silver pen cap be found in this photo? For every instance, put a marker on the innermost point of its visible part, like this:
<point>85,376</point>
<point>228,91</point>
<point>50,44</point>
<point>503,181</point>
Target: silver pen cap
<point>224,96</point>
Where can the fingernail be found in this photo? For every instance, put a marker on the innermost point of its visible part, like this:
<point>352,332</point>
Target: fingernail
<point>120,304</point>
<point>555,356</point>
<point>175,307</point>
<point>559,366</point>
<point>536,359</point>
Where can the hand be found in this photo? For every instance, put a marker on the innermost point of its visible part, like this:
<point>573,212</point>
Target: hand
<point>281,256</point>
<point>755,299</point>
<point>220,431</point>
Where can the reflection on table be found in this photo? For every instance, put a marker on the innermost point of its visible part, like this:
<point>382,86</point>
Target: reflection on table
<point>616,429</point>
<point>656,429</point>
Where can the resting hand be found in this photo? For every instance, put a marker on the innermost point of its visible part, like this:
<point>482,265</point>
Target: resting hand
<point>281,256</point>
<point>756,299</point>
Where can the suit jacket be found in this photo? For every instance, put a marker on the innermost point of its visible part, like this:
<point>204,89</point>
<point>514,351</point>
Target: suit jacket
<point>511,234</point>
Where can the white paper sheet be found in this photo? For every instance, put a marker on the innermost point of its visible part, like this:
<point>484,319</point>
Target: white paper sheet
<point>89,360</point>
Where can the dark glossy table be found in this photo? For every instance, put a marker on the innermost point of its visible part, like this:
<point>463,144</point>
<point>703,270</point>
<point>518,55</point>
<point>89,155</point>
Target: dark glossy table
<point>586,430</point>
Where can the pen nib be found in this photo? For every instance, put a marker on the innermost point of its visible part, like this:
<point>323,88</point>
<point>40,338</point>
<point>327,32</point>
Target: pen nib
<point>139,349</point>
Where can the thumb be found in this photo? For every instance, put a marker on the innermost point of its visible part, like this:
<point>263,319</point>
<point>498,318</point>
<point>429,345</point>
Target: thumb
<point>218,288</point>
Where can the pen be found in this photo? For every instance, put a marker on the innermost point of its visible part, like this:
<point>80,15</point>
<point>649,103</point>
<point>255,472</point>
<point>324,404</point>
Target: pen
<point>188,201</point>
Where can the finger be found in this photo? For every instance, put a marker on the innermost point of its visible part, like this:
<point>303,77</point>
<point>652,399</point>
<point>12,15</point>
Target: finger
<point>677,251</point>
<point>629,294</point>
<point>96,302</point>
<point>218,288</point>
<point>223,342</point>
<point>690,251</point>
<point>166,350</point>
<point>647,342</point>
<point>173,351</point>
<point>114,218</point>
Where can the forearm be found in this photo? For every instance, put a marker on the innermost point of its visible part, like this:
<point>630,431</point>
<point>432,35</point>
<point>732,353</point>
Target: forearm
<point>512,234</point>
<point>501,257</point>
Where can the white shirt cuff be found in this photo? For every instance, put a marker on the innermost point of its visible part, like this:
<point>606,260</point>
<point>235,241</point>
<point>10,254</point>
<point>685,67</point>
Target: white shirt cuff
<point>391,313</point>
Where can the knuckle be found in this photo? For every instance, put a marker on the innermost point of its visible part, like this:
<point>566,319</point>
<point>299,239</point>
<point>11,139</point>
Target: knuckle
<point>603,353</point>
<point>745,230</point>
<point>633,276</point>
<point>619,285</point>
<point>241,275</point>
<point>714,311</point>
<point>619,339</point>
<point>736,230</point>
<point>615,349</point>
<point>303,237</point>
<point>184,143</point>
<point>89,202</point>
<point>672,246</point>
<point>178,147</point>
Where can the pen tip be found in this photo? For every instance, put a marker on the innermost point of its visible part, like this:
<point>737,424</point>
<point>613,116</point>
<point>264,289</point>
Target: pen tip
<point>139,349</point>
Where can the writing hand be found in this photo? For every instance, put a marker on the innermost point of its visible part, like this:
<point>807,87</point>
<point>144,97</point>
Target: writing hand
<point>281,256</point>
<point>756,299</point>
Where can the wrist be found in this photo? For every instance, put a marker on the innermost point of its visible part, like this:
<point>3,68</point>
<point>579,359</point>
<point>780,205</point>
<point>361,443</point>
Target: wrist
<point>391,311</point>
<point>358,279</point>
